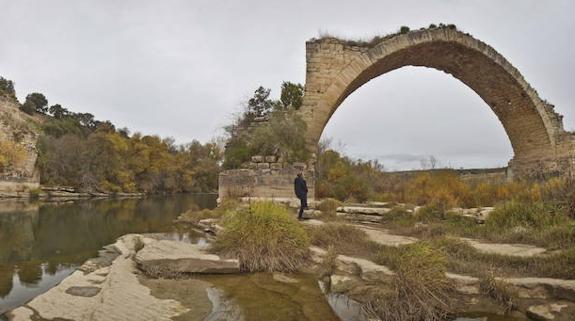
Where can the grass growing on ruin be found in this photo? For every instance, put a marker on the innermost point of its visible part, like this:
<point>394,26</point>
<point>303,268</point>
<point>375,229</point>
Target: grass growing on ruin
<point>419,290</point>
<point>264,237</point>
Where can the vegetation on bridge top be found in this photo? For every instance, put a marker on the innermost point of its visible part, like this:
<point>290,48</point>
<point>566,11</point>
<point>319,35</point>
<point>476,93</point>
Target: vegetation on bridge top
<point>379,38</point>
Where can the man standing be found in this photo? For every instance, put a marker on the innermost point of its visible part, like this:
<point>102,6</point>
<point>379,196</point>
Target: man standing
<point>300,187</point>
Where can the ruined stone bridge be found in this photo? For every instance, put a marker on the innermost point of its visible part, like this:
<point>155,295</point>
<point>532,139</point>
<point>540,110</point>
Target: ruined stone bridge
<point>336,68</point>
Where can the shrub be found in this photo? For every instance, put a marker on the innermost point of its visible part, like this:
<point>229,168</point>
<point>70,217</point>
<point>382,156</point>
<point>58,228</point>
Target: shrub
<point>420,289</point>
<point>516,214</point>
<point>404,29</point>
<point>264,237</point>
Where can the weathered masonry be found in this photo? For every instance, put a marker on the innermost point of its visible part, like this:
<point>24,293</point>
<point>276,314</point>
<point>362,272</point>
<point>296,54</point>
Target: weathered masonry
<point>336,68</point>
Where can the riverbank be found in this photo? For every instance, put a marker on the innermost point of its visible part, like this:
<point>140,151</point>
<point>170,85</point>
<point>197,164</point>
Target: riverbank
<point>60,193</point>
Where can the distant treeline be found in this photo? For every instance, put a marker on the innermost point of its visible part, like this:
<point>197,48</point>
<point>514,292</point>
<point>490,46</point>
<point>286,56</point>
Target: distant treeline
<point>77,150</point>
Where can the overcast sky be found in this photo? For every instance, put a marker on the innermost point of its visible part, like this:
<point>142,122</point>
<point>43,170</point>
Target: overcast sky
<point>183,68</point>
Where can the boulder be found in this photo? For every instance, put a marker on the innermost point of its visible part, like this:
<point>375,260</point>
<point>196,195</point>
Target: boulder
<point>170,258</point>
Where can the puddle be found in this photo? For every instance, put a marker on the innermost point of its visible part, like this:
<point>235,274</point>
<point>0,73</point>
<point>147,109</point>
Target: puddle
<point>260,297</point>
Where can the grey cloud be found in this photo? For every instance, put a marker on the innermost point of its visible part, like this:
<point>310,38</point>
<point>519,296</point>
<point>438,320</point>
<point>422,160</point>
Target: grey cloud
<point>181,68</point>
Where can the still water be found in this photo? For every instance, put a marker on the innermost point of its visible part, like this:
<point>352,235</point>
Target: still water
<point>41,244</point>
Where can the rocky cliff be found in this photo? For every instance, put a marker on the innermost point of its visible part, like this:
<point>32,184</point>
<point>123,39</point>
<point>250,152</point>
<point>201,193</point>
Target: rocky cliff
<point>19,132</point>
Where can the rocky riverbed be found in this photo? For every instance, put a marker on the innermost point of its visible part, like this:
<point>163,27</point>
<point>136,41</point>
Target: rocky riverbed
<point>150,277</point>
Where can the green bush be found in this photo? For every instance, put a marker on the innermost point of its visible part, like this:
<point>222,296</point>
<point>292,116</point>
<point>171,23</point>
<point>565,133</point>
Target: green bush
<point>264,237</point>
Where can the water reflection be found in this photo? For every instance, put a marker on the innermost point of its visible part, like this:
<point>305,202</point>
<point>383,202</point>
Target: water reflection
<point>260,297</point>
<point>42,244</point>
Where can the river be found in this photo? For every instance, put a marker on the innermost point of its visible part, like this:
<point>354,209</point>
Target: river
<point>42,243</point>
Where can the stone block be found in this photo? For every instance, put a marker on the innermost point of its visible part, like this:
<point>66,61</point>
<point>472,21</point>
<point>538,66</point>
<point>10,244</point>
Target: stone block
<point>276,165</point>
<point>263,165</point>
<point>257,159</point>
<point>300,166</point>
<point>270,159</point>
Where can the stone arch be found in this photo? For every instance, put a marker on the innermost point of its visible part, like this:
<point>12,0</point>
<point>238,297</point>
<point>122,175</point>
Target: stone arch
<point>336,68</point>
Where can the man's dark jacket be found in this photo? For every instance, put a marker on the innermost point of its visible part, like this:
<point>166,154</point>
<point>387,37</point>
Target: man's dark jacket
<point>300,187</point>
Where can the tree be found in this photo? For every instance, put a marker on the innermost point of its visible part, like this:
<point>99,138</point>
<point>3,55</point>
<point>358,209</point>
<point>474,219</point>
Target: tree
<point>259,105</point>
<point>291,95</point>
<point>35,102</point>
<point>58,111</point>
<point>7,88</point>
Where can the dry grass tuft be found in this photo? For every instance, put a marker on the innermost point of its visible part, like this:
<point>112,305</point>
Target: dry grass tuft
<point>497,290</point>
<point>328,265</point>
<point>419,290</point>
<point>264,237</point>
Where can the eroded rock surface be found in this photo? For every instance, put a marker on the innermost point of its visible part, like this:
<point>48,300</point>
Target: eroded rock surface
<point>109,293</point>
<point>169,258</point>
<point>520,250</point>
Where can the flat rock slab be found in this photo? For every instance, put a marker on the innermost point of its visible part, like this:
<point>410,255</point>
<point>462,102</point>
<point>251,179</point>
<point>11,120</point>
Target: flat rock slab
<point>554,288</point>
<point>520,250</point>
<point>169,258</point>
<point>363,210</point>
<point>383,237</point>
